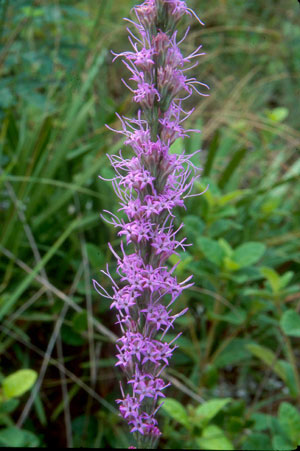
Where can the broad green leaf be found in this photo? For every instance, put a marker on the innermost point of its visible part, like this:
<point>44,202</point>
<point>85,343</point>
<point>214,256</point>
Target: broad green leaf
<point>30,11</point>
<point>18,383</point>
<point>270,205</point>
<point>248,253</point>
<point>286,278</point>
<point>281,443</point>
<point>80,321</point>
<point>272,277</point>
<point>226,212</point>
<point>230,264</point>
<point>235,352</point>
<point>219,227</point>
<point>7,99</point>
<point>212,250</point>
<point>258,293</point>
<point>95,256</point>
<point>208,195</point>
<point>289,418</point>
<point>209,409</point>
<point>290,323</point>
<point>257,441</point>
<point>278,114</point>
<point>84,430</point>
<point>194,226</point>
<point>30,439</point>
<point>290,377</point>
<point>8,406</point>
<point>184,259</point>
<point>262,421</point>
<point>225,246</point>
<point>269,358</point>
<point>176,411</point>
<point>177,146</point>
<point>71,337</point>
<point>214,438</point>
<point>245,275</point>
<point>12,437</point>
<point>235,424</point>
<point>210,376</point>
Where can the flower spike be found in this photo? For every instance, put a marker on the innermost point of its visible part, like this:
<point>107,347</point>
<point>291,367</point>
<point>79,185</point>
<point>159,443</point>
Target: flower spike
<point>150,185</point>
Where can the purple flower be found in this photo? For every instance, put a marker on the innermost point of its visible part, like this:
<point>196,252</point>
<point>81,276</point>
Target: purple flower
<point>150,185</point>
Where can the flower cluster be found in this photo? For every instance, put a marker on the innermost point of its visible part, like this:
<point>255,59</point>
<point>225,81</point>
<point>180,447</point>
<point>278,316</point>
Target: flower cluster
<point>150,185</point>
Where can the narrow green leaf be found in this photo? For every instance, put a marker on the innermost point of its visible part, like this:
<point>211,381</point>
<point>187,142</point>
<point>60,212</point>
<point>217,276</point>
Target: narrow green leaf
<point>236,316</point>
<point>12,131</point>
<point>43,136</point>
<point>78,100</point>
<point>56,183</point>
<point>212,152</point>
<point>68,136</point>
<point>28,279</point>
<point>233,195</point>
<point>80,180</point>
<point>231,167</point>
<point>40,411</point>
<point>269,358</point>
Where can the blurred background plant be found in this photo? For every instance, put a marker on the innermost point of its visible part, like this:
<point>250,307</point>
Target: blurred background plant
<point>236,375</point>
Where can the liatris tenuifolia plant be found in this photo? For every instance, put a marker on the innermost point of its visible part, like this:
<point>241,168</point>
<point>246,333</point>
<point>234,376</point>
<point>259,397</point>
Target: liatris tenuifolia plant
<point>150,185</point>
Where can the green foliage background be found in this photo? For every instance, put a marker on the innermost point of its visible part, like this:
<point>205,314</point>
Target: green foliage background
<point>235,379</point>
